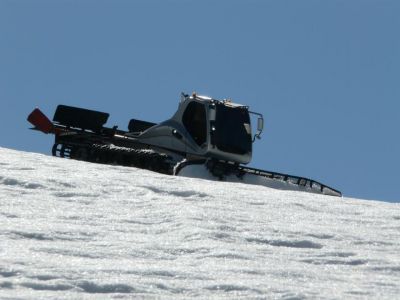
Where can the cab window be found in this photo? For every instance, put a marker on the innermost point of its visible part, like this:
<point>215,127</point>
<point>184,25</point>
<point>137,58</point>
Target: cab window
<point>194,119</point>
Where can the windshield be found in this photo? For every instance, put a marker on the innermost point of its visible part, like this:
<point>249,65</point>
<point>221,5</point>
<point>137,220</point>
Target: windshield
<point>232,129</point>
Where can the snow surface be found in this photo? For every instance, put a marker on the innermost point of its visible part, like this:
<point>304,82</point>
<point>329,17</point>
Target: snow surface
<point>72,229</point>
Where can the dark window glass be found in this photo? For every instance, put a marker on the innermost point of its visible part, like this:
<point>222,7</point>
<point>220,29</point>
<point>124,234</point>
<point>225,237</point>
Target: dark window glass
<point>194,119</point>
<point>230,133</point>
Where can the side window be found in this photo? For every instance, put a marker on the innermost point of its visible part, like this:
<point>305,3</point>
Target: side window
<point>194,119</point>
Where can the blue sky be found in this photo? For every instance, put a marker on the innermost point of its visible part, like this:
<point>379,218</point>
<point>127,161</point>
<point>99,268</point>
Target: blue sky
<point>325,74</point>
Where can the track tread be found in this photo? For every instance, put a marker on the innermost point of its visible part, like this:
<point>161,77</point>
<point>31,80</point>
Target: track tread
<point>109,154</point>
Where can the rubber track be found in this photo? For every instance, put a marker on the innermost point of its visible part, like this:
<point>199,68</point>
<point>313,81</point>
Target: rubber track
<point>110,154</point>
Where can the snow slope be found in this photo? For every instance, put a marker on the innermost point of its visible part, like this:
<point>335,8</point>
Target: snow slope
<point>72,229</point>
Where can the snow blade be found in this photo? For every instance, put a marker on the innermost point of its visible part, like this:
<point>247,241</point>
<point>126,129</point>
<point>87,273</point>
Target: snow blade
<point>221,170</point>
<point>40,121</point>
<point>308,184</point>
<point>80,118</point>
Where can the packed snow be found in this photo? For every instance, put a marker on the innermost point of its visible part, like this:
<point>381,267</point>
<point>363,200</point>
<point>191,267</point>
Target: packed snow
<point>72,229</point>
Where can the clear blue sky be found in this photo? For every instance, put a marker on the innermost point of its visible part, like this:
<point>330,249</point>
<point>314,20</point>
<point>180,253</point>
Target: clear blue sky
<point>325,74</point>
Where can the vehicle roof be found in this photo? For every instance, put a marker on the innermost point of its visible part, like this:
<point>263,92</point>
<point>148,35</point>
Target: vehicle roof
<point>227,102</point>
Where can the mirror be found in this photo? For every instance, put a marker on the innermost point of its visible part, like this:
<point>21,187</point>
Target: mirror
<point>260,124</point>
